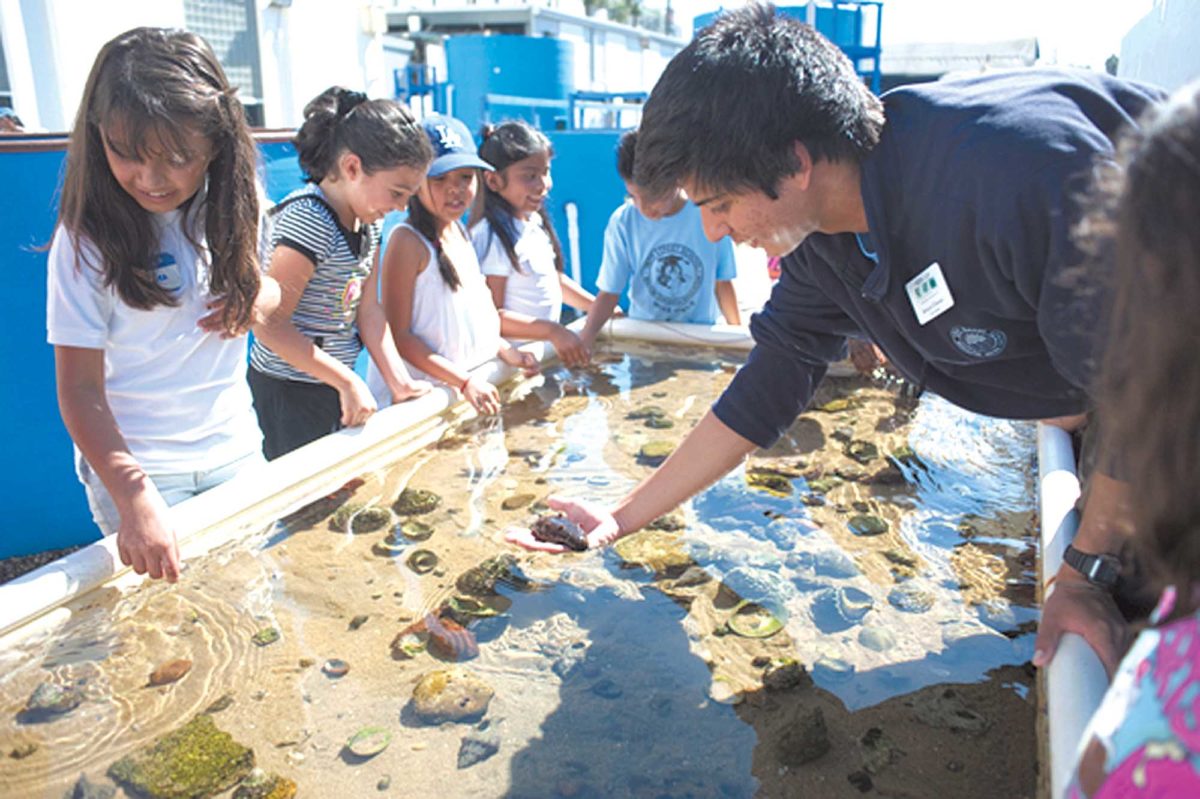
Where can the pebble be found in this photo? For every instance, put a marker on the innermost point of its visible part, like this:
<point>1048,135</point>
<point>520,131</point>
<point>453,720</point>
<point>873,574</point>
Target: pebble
<point>358,621</point>
<point>476,748</point>
<point>170,672</point>
<point>23,750</point>
<point>384,783</point>
<point>335,668</point>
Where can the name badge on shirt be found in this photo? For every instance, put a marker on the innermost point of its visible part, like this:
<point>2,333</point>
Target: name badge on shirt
<point>929,294</point>
<point>167,273</point>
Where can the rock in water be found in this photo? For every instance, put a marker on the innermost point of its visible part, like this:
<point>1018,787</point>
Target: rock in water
<point>196,760</point>
<point>170,671</point>
<point>49,699</point>
<point>805,739</point>
<point>476,748</point>
<point>451,695</point>
<point>86,789</point>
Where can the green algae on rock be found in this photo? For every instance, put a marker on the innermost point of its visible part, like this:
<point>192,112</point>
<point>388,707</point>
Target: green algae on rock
<point>266,636</point>
<point>866,524</point>
<point>260,785</point>
<point>415,501</point>
<point>197,760</point>
<point>769,480</point>
<point>355,517</point>
<point>653,453</point>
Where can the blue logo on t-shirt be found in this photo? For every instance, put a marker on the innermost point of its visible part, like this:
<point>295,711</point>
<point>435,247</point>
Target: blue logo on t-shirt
<point>167,274</point>
<point>672,274</point>
<point>978,342</point>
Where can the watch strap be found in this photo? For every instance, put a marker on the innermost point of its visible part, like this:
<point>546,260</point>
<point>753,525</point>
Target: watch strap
<point>1101,570</point>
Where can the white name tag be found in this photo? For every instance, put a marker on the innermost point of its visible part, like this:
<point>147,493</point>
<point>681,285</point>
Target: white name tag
<point>929,294</point>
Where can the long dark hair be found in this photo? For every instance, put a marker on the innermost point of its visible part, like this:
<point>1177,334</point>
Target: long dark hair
<point>1150,388</point>
<point>382,133</point>
<point>425,223</point>
<point>504,145</point>
<point>164,83</point>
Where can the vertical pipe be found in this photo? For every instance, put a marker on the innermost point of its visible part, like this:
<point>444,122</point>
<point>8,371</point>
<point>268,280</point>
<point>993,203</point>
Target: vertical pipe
<point>572,211</point>
<point>1075,680</point>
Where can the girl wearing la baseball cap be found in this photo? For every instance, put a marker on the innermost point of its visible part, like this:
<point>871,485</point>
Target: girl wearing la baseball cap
<point>436,301</point>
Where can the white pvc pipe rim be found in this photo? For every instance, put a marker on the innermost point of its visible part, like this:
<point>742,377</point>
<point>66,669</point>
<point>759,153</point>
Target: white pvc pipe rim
<point>1075,679</point>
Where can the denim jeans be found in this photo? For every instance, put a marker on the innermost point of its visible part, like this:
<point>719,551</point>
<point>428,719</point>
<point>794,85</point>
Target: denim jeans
<point>174,487</point>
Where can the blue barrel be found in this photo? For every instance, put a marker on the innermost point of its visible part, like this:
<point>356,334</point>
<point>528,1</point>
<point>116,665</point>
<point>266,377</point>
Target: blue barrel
<point>510,77</point>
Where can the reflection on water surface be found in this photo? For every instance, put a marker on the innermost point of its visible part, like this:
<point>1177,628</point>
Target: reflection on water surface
<point>851,611</point>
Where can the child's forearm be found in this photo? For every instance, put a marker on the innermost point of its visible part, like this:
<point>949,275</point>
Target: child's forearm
<point>417,352</point>
<point>600,312</point>
<point>283,339</point>
<point>576,295</point>
<point>377,337</point>
<point>514,324</point>
<point>727,300</point>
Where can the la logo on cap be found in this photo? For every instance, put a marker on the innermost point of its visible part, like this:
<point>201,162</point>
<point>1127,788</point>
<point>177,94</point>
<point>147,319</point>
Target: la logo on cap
<point>448,139</point>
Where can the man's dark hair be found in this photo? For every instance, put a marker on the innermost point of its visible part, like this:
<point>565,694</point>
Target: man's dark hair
<point>625,150</point>
<point>730,105</point>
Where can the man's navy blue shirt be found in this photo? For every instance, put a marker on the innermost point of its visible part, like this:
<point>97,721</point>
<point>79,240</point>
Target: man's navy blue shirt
<point>985,176</point>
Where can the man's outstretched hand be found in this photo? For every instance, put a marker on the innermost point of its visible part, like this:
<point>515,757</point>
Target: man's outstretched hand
<point>596,521</point>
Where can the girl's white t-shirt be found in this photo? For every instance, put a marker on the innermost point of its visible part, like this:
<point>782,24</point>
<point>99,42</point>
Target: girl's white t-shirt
<point>179,394</point>
<point>534,290</point>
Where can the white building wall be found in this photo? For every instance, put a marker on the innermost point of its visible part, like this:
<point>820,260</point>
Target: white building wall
<point>50,46</point>
<point>315,44</point>
<point>1161,48</point>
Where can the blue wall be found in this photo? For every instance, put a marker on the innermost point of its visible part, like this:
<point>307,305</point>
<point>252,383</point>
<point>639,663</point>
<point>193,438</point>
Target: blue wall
<point>44,504</point>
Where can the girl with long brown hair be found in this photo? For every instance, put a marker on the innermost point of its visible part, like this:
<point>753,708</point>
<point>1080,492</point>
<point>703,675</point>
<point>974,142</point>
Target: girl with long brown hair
<point>152,284</point>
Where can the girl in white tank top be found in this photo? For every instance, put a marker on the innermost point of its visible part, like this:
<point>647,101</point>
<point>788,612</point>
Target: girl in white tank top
<point>437,303</point>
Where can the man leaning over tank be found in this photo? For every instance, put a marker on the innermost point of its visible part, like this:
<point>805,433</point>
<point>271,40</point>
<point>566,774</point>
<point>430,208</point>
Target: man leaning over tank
<point>937,221</point>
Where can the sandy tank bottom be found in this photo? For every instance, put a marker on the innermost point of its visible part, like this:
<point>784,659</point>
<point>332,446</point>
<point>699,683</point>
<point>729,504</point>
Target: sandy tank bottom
<point>850,613</point>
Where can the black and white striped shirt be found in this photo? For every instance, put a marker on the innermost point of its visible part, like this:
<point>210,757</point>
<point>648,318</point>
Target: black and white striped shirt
<point>342,259</point>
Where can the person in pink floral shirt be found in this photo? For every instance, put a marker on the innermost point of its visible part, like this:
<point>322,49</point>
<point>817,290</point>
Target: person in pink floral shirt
<point>1144,740</point>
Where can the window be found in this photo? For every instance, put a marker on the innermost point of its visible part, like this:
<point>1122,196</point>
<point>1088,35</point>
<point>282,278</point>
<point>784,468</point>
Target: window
<point>5,89</point>
<point>231,27</point>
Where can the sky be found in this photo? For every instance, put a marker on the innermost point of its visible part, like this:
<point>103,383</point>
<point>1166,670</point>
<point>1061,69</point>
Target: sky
<point>1073,32</point>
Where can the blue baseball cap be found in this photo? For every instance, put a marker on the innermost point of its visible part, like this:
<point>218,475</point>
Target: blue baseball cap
<point>453,147</point>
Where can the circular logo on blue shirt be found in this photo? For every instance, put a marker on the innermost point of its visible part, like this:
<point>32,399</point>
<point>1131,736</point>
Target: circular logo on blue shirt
<point>672,274</point>
<point>979,342</point>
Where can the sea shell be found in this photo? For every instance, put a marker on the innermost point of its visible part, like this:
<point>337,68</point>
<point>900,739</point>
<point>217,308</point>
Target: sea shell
<point>449,640</point>
<point>369,741</point>
<point>422,561</point>
<point>752,620</point>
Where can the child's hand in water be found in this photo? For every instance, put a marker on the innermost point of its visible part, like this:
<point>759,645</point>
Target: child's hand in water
<point>356,401</point>
<point>571,349</point>
<point>145,540</point>
<point>527,362</point>
<point>482,395</point>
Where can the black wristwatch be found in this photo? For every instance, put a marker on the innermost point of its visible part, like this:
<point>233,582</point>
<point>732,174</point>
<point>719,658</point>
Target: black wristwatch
<point>1101,570</point>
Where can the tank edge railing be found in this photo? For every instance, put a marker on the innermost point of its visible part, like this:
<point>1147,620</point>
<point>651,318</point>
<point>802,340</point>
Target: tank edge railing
<point>1075,681</point>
